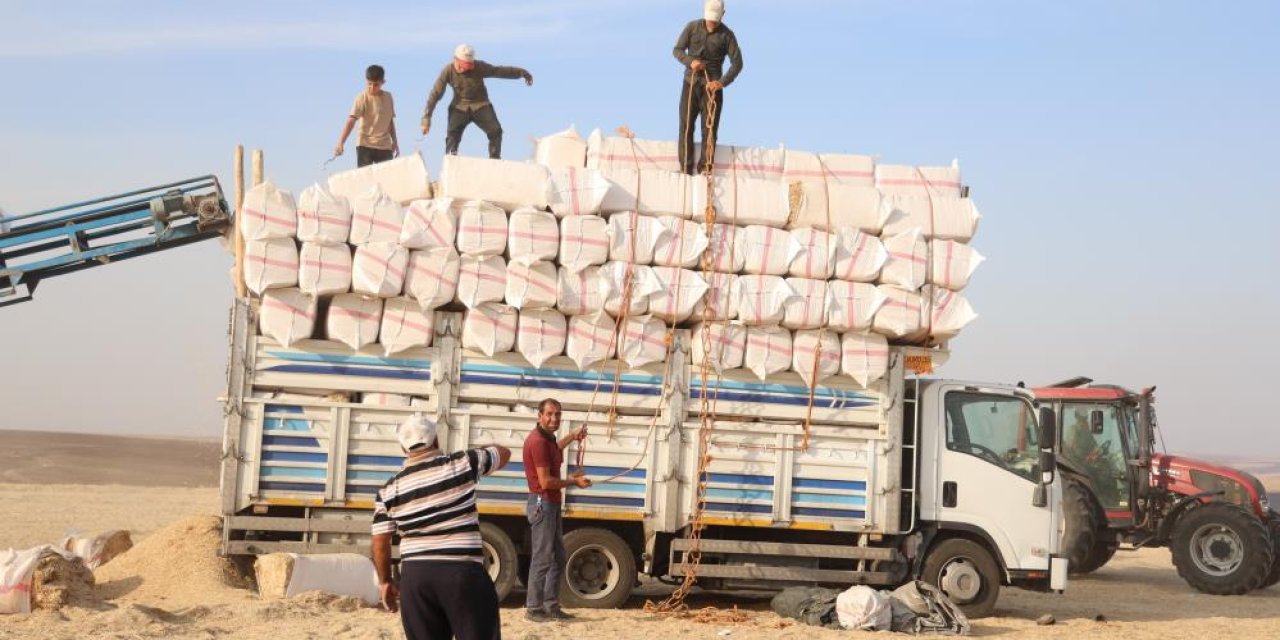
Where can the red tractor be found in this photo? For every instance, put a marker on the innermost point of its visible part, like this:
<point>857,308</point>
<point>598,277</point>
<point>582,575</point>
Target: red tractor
<point>1216,521</point>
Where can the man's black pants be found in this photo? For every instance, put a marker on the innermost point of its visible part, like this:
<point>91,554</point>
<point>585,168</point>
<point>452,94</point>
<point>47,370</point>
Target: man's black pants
<point>485,118</point>
<point>697,107</point>
<point>366,156</point>
<point>441,600</point>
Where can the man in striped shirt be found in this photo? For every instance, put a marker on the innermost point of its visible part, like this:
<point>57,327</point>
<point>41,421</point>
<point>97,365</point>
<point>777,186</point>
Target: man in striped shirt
<point>444,591</point>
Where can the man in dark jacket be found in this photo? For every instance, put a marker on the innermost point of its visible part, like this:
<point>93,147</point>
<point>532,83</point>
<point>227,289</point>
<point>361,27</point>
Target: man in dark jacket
<point>470,101</point>
<point>702,48</point>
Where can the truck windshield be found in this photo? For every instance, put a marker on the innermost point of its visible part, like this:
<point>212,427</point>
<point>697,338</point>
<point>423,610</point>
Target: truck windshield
<point>998,429</point>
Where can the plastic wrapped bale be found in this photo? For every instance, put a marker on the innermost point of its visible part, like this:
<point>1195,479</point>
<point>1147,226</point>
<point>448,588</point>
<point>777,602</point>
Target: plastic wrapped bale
<point>270,264</point>
<point>532,235</point>
<point>481,280</point>
<point>947,312</point>
<point>953,264</point>
<point>98,550</point>
<point>942,217</point>
<point>864,357</point>
<point>859,256</point>
<point>531,286</point>
<point>744,201</point>
<point>901,315</point>
<point>683,244</point>
<point>807,309</point>
<point>584,242</point>
<point>830,168</point>
<point>901,179</point>
<point>852,305</point>
<point>268,212</point>
<point>385,400</point>
<point>591,339</point>
<point>642,340</point>
<point>633,237</point>
<point>432,276</point>
<point>761,300</point>
<point>830,207</point>
<point>581,292</point>
<point>324,269</point>
<point>354,319</point>
<point>504,183</point>
<point>578,192</point>
<point>541,335</point>
<point>287,315</point>
<point>721,345</point>
<point>817,255</point>
<point>322,216</point>
<point>815,355</point>
<point>862,608</point>
<point>652,193</point>
<point>405,325</point>
<point>679,293</point>
<point>430,224</point>
<point>719,298</point>
<point>375,218</point>
<point>631,153</point>
<point>490,328</point>
<point>563,149</point>
<point>482,229</point>
<point>749,162</point>
<point>378,269</point>
<point>907,266</point>
<point>403,179</point>
<point>285,575</point>
<point>727,253</point>
<point>768,350</point>
<point>766,250</point>
<point>613,279</point>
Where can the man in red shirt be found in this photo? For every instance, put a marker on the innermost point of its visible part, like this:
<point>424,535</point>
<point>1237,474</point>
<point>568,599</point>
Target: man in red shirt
<point>543,457</point>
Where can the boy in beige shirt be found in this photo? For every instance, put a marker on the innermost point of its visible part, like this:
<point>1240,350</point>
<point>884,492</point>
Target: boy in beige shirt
<point>377,115</point>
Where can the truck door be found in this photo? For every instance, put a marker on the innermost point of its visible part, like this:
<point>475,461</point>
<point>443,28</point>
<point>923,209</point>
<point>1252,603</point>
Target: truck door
<point>1092,442</point>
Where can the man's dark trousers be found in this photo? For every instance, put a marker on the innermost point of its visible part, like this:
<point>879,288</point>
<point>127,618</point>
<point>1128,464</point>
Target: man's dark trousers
<point>442,599</point>
<point>366,156</point>
<point>699,110</point>
<point>485,118</point>
<point>547,562</point>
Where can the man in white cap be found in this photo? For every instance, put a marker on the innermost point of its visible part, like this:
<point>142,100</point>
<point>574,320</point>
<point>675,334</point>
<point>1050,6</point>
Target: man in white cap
<point>470,101</point>
<point>444,591</point>
<point>702,48</point>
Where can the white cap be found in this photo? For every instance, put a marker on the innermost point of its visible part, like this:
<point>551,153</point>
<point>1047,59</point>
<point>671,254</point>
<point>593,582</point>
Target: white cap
<point>465,53</point>
<point>416,430</point>
<point>713,10</point>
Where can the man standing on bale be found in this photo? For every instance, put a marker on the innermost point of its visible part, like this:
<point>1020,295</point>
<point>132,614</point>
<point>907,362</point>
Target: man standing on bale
<point>702,48</point>
<point>470,101</point>
<point>376,113</point>
<point>444,591</point>
<point>543,457</point>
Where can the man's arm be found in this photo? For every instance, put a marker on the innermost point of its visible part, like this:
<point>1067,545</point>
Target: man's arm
<point>395,143</point>
<point>388,590</point>
<point>735,61</point>
<point>550,483</point>
<point>437,92</point>
<point>357,112</point>
<point>681,50</point>
<point>577,434</point>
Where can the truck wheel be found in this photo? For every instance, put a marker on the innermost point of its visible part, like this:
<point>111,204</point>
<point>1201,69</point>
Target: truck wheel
<point>966,572</point>
<point>1221,549</point>
<point>499,558</point>
<point>1273,520</point>
<point>1104,548</point>
<point>600,571</point>
<point>1080,534</point>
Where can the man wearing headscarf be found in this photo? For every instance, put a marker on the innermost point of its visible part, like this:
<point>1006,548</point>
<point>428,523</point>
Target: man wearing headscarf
<point>470,101</point>
<point>702,48</point>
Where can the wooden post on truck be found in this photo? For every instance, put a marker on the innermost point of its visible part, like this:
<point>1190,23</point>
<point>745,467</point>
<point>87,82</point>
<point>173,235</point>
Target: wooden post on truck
<point>237,237</point>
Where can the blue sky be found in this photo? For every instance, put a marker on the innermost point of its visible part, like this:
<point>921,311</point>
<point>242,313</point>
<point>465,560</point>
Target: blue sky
<point>1123,154</point>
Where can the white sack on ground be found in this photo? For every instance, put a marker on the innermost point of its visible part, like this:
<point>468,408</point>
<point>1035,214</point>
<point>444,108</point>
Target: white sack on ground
<point>403,179</point>
<point>405,325</point>
<point>270,264</point>
<point>766,250</point>
<point>490,328</point>
<point>642,340</point>
<point>268,212</point>
<point>631,153</point>
<point>831,206</point>
<point>632,237</point>
<point>682,245</point>
<point>727,253</point>
<point>287,315</point>
<point>943,217</point>
<point>322,216</point>
<point>481,280</point>
<point>830,168</point>
<point>652,193</point>
<point>908,264</point>
<point>16,567</point>
<point>343,574</point>
<point>430,224</point>
<point>432,276</point>
<point>761,299</point>
<point>815,345</point>
<point>578,192</point>
<point>541,335</point>
<point>909,180</point>
<point>482,229</point>
<point>864,357</point>
<point>807,309</point>
<point>531,286</point>
<point>720,292</point>
<point>97,550</point>
<point>679,292</point>
<point>853,305</point>
<point>953,264</point>
<point>768,350</point>
<point>901,314</point>
<point>584,241</point>
<point>749,162</point>
<point>354,320</point>
<point>859,256</point>
<point>378,269</point>
<point>591,339</point>
<point>722,345</point>
<point>613,278</point>
<point>375,218</point>
<point>817,255</point>
<point>947,312</point>
<point>581,292</point>
<point>561,149</point>
<point>504,183</point>
<point>532,235</point>
<point>324,269</point>
<point>743,201</point>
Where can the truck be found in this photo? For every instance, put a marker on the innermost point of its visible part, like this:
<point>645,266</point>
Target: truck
<point>741,483</point>
<point>1223,534</point>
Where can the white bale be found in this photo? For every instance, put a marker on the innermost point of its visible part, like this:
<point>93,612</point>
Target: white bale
<point>591,339</point>
<point>901,314</point>
<point>761,299</point>
<point>16,568</point>
<point>354,319</point>
<point>405,325</point>
<point>817,255</point>
<point>944,217</point>
<point>720,292</point>
<point>578,192</point>
<point>430,224</point>
<point>919,181</point>
<point>726,253</point>
<point>580,292</point>
<point>323,216</point>
<point>541,335</point>
<point>852,305</point>
<point>403,179</point>
<point>375,217</point>
<point>432,276</point>
<point>947,312</point>
<point>270,264</point>
<point>631,153</point>
<point>324,269</point>
<point>653,193</point>
<point>481,280</point>
<point>859,256</point>
<point>862,608</point>
<point>344,574</point>
<point>378,269</point>
<point>807,309</point>
<point>482,229</point>
<point>682,245</point>
<point>531,286</point>
<point>386,399</point>
<point>864,357</point>
<point>633,237</point>
<point>830,168</point>
<point>830,206</point>
<point>507,184</point>
<point>561,149</point>
<point>815,355</point>
<point>908,264</point>
<point>722,345</point>
<point>532,235</point>
<point>613,278</point>
<point>766,250</point>
<point>953,264</point>
<point>744,201</point>
<point>679,293</point>
<point>749,162</point>
<point>490,328</point>
<point>268,212</point>
<point>584,241</point>
<point>97,550</point>
<point>768,350</point>
<point>642,340</point>
<point>287,315</point>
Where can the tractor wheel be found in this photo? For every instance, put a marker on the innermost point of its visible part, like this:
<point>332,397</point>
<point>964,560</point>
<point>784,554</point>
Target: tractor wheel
<point>966,572</point>
<point>1273,577</point>
<point>1104,548</point>
<point>1222,549</point>
<point>1082,526</point>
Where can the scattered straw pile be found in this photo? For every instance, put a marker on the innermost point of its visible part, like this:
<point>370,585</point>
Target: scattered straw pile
<point>272,573</point>
<point>175,565</point>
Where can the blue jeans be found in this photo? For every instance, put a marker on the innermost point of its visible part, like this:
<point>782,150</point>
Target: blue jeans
<point>546,565</point>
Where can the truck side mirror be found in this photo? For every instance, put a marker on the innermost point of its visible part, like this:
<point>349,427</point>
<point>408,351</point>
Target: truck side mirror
<point>1048,425</point>
<point>1095,421</point>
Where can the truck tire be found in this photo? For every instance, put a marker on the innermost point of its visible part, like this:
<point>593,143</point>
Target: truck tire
<point>499,558</point>
<point>1273,521</point>
<point>966,572</point>
<point>1104,548</point>
<point>1082,529</point>
<point>600,571</point>
<point>1222,549</point>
